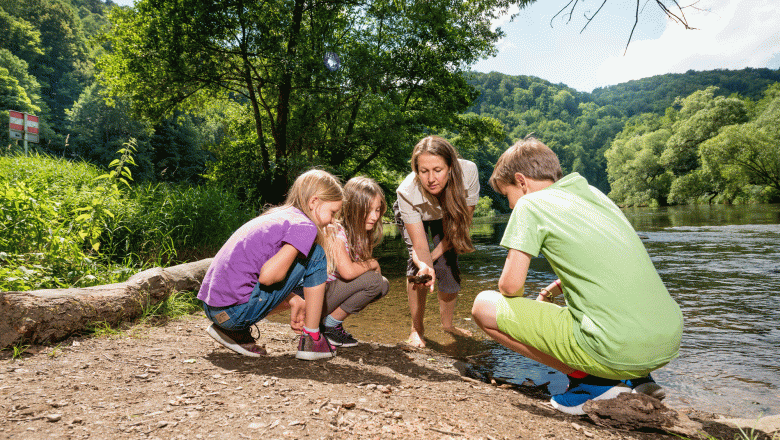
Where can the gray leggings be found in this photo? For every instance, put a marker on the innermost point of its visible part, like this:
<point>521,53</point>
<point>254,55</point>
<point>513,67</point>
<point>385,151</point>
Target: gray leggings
<point>353,296</point>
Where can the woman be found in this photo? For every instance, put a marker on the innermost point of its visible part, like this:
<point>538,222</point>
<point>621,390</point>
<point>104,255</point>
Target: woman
<point>437,199</point>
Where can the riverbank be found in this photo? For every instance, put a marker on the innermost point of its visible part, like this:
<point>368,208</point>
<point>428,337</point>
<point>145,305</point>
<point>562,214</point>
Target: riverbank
<point>172,381</point>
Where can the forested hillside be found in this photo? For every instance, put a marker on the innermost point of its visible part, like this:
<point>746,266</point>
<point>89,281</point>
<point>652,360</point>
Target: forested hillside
<point>570,122</point>
<point>675,113</point>
<point>655,94</point>
<point>48,57</point>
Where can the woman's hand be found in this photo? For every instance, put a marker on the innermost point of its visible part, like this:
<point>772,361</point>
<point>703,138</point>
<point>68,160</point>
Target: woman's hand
<point>427,270</point>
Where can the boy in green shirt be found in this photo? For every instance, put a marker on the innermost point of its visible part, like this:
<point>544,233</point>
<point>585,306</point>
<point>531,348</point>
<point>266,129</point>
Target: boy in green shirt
<point>619,323</point>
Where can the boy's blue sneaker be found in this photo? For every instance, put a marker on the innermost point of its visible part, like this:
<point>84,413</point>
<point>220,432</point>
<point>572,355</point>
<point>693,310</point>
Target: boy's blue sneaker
<point>582,390</point>
<point>646,385</point>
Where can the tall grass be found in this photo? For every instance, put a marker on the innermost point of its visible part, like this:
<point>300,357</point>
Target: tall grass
<point>164,223</point>
<point>64,223</point>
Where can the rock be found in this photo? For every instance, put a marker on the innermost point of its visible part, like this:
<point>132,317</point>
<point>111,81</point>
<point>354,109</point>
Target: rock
<point>768,424</point>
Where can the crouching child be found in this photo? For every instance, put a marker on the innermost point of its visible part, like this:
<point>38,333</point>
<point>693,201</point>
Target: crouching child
<point>619,323</point>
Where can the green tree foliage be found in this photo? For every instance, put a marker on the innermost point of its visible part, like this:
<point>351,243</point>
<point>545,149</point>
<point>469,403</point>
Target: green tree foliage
<point>747,154</point>
<point>400,74</point>
<point>20,37</point>
<point>97,130</point>
<point>569,122</point>
<point>633,163</point>
<point>166,151</point>
<point>13,96</point>
<point>707,148</point>
<point>701,116</point>
<point>62,68</point>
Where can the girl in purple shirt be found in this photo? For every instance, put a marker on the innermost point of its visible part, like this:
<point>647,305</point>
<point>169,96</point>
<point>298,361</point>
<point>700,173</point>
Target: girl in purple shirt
<point>256,270</point>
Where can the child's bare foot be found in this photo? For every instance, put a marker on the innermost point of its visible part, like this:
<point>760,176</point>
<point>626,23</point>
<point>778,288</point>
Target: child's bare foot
<point>457,331</point>
<point>415,340</point>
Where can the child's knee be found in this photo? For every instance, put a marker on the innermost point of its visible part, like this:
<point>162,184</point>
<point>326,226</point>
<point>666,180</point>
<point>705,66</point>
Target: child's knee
<point>378,285</point>
<point>485,305</point>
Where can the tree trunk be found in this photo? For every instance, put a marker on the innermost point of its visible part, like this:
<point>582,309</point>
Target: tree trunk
<point>636,411</point>
<point>50,315</point>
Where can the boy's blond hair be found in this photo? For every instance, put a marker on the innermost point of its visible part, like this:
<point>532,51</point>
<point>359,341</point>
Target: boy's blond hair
<point>530,157</point>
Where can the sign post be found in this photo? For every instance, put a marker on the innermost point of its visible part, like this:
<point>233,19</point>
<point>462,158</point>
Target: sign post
<point>22,126</point>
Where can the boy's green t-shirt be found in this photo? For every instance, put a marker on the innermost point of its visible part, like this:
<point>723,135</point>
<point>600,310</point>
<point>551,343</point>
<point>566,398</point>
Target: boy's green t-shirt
<point>626,317</point>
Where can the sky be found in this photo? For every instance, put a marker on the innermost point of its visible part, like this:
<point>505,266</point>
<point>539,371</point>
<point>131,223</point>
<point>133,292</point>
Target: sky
<point>728,34</point>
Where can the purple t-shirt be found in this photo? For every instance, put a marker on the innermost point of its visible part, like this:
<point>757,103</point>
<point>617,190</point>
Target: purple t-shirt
<point>235,269</point>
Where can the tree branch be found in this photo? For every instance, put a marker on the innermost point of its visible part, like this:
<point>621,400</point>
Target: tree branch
<point>562,9</point>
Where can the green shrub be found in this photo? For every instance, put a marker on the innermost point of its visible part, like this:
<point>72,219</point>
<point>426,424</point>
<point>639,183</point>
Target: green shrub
<point>174,222</point>
<point>484,207</point>
<point>70,224</point>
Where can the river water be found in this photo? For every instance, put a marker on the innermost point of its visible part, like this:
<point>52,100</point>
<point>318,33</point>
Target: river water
<point>721,264</point>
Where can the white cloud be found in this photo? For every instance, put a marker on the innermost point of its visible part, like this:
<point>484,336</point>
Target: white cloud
<point>504,19</point>
<point>729,34</point>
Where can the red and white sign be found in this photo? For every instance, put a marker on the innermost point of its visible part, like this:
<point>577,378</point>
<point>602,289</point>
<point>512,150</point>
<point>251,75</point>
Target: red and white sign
<point>31,124</point>
<point>23,126</point>
<point>16,120</point>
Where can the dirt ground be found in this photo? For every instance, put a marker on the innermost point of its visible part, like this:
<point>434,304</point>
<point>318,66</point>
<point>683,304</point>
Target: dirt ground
<point>174,382</point>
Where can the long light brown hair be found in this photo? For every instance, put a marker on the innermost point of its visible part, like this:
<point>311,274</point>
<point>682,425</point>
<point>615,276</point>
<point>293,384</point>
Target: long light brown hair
<point>359,193</point>
<point>456,221</point>
<point>324,186</point>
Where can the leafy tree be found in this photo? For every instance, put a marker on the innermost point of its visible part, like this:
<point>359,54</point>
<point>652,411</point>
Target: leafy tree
<point>97,130</point>
<point>633,164</point>
<point>62,69</point>
<point>19,37</point>
<point>18,69</point>
<point>13,96</point>
<point>701,116</point>
<point>747,154</point>
<point>401,73</point>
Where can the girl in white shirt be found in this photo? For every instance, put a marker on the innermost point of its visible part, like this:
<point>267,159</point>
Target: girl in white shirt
<point>357,280</point>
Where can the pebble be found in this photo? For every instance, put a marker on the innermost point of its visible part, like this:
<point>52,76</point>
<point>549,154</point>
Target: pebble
<point>54,417</point>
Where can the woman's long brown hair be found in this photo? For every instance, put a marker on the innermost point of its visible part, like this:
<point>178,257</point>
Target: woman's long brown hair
<point>456,220</point>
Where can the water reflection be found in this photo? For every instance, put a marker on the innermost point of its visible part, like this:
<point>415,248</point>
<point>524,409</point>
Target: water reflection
<point>719,262</point>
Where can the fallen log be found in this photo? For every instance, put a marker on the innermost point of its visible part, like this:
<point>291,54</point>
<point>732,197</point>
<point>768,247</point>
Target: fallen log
<point>50,315</point>
<point>639,412</point>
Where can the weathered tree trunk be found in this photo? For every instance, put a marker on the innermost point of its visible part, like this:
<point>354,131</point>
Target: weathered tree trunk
<point>50,315</point>
<point>639,411</point>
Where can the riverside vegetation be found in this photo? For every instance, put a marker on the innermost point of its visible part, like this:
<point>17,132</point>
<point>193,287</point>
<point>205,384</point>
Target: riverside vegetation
<point>68,223</point>
<point>102,224</point>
